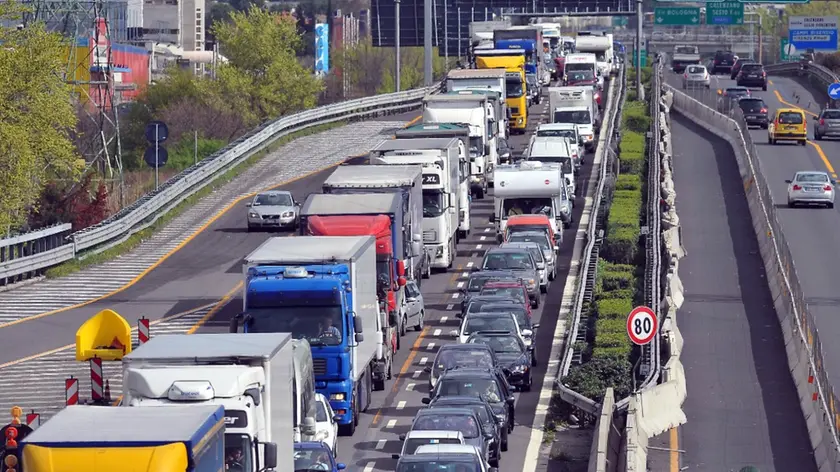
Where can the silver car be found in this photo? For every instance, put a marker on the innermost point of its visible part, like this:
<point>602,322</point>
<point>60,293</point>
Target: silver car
<point>696,76</point>
<point>540,238</point>
<point>539,257</point>
<point>273,209</point>
<point>415,307</point>
<point>811,187</point>
<point>828,124</point>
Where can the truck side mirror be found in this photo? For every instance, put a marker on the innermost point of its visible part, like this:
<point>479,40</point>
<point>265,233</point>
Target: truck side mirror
<point>359,337</point>
<point>357,324</point>
<point>493,218</point>
<point>308,427</point>
<point>401,269</point>
<point>341,466</point>
<point>269,459</point>
<point>426,401</point>
<point>402,281</point>
<point>417,238</point>
<point>486,149</point>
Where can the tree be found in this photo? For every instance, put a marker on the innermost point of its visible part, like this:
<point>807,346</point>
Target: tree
<point>36,116</point>
<point>263,79</point>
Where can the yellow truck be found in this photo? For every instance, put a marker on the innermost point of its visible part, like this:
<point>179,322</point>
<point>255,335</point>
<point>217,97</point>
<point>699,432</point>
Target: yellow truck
<point>128,439</point>
<point>513,62</point>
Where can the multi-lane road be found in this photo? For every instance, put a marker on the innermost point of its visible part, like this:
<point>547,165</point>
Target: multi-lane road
<point>196,289</point>
<point>742,407</point>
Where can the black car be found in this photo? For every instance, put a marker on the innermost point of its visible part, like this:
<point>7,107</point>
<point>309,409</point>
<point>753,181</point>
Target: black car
<point>504,151</point>
<point>755,111</point>
<point>752,75</point>
<point>460,419</point>
<point>728,98</point>
<point>476,282</point>
<point>514,356</point>
<point>457,356</point>
<point>523,319</point>
<point>723,62</point>
<point>439,462</point>
<point>489,422</point>
<point>737,66</point>
<point>488,384</point>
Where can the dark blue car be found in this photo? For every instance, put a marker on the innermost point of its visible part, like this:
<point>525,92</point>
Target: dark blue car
<point>315,456</point>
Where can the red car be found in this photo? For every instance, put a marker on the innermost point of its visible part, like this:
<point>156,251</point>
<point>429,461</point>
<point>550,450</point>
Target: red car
<point>516,290</point>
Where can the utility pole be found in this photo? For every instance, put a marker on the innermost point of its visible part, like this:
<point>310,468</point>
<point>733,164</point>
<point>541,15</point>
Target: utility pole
<point>428,77</point>
<point>640,95</point>
<point>397,87</point>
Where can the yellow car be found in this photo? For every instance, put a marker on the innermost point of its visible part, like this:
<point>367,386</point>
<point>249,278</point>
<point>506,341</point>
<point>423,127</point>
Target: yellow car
<point>788,125</point>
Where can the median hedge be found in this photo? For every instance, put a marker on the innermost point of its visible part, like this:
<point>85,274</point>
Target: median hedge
<point>608,363</point>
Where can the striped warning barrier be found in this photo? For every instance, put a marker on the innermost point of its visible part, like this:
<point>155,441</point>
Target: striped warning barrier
<point>97,384</point>
<point>71,391</point>
<point>142,330</point>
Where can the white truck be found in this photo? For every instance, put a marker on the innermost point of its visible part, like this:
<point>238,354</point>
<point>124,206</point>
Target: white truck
<point>482,31</point>
<point>264,382</point>
<point>558,151</point>
<point>585,63</point>
<point>531,187</point>
<point>598,44</point>
<point>444,167</point>
<point>492,80</point>
<point>405,180</point>
<point>684,55</point>
<point>473,111</point>
<point>322,289</point>
<point>552,32</point>
<point>577,106</point>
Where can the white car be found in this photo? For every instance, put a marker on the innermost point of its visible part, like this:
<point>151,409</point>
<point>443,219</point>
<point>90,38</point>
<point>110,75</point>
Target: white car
<point>326,427</point>
<point>414,440</point>
<point>814,187</point>
<point>449,449</point>
<point>474,322</point>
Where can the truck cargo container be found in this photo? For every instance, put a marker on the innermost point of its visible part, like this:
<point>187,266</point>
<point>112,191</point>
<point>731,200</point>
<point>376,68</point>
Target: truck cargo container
<point>491,81</point>
<point>531,187</point>
<point>531,33</point>
<point>516,89</point>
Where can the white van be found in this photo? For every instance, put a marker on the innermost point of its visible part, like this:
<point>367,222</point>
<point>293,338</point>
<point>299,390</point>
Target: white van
<point>585,62</point>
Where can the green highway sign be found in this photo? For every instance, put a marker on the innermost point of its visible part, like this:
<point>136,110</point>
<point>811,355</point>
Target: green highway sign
<point>620,21</point>
<point>676,16</point>
<point>725,13</point>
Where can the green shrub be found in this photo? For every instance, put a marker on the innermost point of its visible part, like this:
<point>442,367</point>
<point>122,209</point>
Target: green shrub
<point>616,308</point>
<point>632,163</point>
<point>632,142</point>
<point>612,277</point>
<point>611,326</point>
<point>628,182</point>
<point>628,293</point>
<point>183,154</point>
<point>592,378</point>
<point>622,245</point>
<point>620,353</point>
<point>625,210</point>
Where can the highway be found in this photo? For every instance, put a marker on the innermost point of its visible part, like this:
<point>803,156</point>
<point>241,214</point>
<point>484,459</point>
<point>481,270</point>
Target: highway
<point>195,289</point>
<point>742,406</point>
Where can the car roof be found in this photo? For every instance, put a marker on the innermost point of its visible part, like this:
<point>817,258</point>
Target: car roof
<point>507,250</point>
<point>488,298</point>
<point>452,456</point>
<point>459,399</point>
<point>494,273</point>
<point>739,89</point>
<point>311,445</point>
<point>511,303</point>
<point>521,244</point>
<point>528,220</point>
<point>433,433</point>
<point>275,192</point>
<point>501,284</point>
<point>812,172</point>
<point>469,372</point>
<point>790,110</point>
<point>454,410</point>
<point>447,448</point>
<point>459,347</point>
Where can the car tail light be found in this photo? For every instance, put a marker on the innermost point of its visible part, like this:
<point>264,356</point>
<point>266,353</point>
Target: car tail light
<point>827,188</point>
<point>717,61</point>
<point>797,187</point>
<point>763,110</point>
<point>822,121</point>
<point>764,73</point>
<point>685,75</point>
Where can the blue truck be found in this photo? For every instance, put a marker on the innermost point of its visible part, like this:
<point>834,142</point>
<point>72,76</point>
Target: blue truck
<point>528,45</point>
<point>322,289</point>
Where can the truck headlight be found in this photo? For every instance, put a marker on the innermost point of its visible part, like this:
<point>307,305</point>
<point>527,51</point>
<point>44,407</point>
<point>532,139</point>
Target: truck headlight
<point>339,397</point>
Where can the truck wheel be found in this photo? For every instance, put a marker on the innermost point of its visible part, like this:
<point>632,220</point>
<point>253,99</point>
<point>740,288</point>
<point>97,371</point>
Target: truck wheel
<point>379,385</point>
<point>421,319</point>
<point>390,371</point>
<point>428,272</point>
<point>479,194</point>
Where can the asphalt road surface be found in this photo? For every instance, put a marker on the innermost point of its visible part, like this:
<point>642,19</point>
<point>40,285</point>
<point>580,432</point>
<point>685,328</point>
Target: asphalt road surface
<point>742,406</point>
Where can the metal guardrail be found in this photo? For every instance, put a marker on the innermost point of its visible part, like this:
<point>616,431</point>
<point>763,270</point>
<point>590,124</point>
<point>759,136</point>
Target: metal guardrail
<point>593,241</point>
<point>28,255</point>
<point>697,39</point>
<point>816,71</point>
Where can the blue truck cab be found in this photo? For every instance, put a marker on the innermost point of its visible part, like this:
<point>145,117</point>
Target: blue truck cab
<point>322,289</point>
<point>528,45</point>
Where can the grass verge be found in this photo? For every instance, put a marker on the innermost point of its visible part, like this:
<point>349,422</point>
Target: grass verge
<point>75,265</point>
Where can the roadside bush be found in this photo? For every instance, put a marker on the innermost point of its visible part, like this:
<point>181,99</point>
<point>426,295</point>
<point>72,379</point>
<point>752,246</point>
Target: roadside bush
<point>593,378</point>
<point>616,308</point>
<point>628,182</point>
<point>622,246</point>
<point>634,117</point>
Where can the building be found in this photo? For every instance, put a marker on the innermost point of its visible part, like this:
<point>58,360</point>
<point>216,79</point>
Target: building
<point>177,22</point>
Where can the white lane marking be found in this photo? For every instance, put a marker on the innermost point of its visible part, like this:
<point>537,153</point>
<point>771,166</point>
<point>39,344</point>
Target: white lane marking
<point>465,274</point>
<point>416,374</point>
<point>430,346</point>
<point>391,424</point>
<point>410,387</point>
<point>369,466</point>
<point>444,318</point>
<point>486,230</point>
<point>482,238</point>
<point>470,264</point>
<point>553,360</point>
<point>479,246</point>
<point>436,333</point>
<point>401,405</point>
<point>423,360</point>
<point>475,254</point>
<point>380,445</point>
<point>460,285</point>
<point>448,307</point>
<point>456,295</point>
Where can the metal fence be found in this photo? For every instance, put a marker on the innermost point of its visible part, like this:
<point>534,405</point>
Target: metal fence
<point>818,398</point>
<point>27,255</point>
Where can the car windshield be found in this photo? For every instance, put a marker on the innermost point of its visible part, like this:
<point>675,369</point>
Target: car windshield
<point>790,118</point>
<point>527,238</point>
<point>517,293</point>
<point>556,133</point>
<point>485,388</point>
<point>321,415</point>
<point>752,105</point>
<point>482,322</point>
<point>475,283</point>
<point>500,344</point>
<point>513,88</point>
<point>466,424</point>
<point>564,161</point>
<point>685,50</point>
<point>238,453</point>
<point>696,70</point>
<point>432,203</point>
<point>737,92</point>
<point>831,114</point>
<point>581,75</point>
<point>411,444</point>
<point>448,359</point>
<point>578,117</point>
<point>508,260</point>
<point>273,199</point>
<point>320,325</point>
<point>812,178</point>
<point>527,206</point>
<point>751,68</point>
<point>307,460</point>
<point>441,465</point>
<point>519,312</point>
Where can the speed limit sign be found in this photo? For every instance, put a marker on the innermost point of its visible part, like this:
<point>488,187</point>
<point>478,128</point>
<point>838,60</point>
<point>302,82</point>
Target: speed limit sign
<point>642,325</point>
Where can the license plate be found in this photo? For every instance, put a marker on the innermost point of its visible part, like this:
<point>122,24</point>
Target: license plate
<point>755,76</point>
<point>789,128</point>
<point>813,189</point>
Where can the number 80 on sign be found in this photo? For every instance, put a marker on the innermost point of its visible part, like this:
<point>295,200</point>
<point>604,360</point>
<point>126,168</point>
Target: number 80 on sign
<point>642,325</point>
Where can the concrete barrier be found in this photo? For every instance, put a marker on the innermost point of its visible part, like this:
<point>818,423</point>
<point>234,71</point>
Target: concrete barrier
<point>607,441</point>
<point>817,398</point>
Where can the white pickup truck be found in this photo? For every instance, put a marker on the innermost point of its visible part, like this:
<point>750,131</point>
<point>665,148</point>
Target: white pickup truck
<point>683,56</point>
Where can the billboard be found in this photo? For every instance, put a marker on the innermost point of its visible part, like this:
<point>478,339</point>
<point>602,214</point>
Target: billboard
<point>322,48</point>
<point>816,32</point>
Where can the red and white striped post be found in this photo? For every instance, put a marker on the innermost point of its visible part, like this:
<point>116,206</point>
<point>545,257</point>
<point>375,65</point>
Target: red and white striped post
<point>71,391</point>
<point>143,330</point>
<point>33,420</point>
<point>97,383</point>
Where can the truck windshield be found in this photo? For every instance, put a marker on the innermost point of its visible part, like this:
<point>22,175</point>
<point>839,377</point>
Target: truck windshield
<point>527,206</point>
<point>513,88</point>
<point>601,56</point>
<point>577,117</point>
<point>577,67</point>
<point>238,453</point>
<point>581,75</point>
<point>320,325</point>
<point>383,270</point>
<point>685,50</point>
<point>475,146</point>
<point>556,133</point>
<point>432,203</point>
